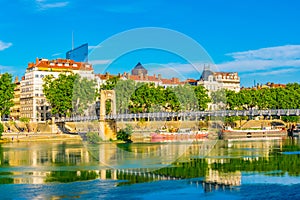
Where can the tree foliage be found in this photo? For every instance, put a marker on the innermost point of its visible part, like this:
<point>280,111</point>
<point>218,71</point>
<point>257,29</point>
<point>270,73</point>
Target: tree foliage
<point>265,98</point>
<point>1,129</point>
<point>124,89</point>
<point>84,94</point>
<point>59,93</point>
<point>132,97</point>
<point>202,97</point>
<point>125,134</point>
<point>6,93</point>
<point>69,94</point>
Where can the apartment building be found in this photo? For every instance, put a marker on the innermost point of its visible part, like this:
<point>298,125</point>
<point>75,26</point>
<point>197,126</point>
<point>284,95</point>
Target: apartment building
<point>32,100</point>
<point>214,81</point>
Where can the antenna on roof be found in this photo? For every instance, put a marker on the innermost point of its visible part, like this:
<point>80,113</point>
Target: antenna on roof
<point>72,40</point>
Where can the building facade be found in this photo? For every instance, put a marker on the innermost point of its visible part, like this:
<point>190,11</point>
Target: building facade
<point>79,54</point>
<point>32,100</point>
<point>139,74</point>
<point>214,81</point>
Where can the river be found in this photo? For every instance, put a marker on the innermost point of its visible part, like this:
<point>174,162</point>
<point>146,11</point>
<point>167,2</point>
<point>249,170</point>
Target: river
<point>182,170</point>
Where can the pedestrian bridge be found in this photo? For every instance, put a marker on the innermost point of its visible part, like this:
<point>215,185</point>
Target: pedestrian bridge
<point>191,115</point>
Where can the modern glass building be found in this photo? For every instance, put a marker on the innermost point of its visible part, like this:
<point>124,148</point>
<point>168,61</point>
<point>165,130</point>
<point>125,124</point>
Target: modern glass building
<point>79,54</point>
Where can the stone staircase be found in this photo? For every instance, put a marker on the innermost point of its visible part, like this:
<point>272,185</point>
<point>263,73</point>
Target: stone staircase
<point>10,127</point>
<point>110,130</point>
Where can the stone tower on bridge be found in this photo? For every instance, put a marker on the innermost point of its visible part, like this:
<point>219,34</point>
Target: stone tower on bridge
<point>107,127</point>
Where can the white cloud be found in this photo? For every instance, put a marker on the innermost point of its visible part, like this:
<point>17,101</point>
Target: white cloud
<point>263,59</point>
<point>47,4</point>
<point>273,72</point>
<point>8,69</point>
<point>99,62</point>
<point>56,54</point>
<point>93,47</point>
<point>4,45</point>
<point>282,52</point>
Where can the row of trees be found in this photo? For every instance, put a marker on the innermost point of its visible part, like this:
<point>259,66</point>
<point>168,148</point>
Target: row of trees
<point>265,98</point>
<point>132,97</point>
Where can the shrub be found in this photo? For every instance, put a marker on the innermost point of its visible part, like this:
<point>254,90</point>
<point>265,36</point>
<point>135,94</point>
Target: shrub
<point>24,119</point>
<point>125,134</point>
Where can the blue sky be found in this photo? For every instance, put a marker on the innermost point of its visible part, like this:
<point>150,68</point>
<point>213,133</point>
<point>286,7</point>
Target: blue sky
<point>259,39</point>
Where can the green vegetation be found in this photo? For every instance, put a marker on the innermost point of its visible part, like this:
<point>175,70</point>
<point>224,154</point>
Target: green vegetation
<point>93,137</point>
<point>290,118</point>
<point>1,129</point>
<point>71,176</point>
<point>59,93</point>
<point>265,98</point>
<point>6,94</point>
<point>69,94</point>
<point>125,134</point>
<point>134,97</point>
<point>84,94</point>
<point>24,119</point>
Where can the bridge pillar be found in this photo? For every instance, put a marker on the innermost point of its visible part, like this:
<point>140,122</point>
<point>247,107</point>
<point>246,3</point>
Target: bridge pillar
<point>107,128</point>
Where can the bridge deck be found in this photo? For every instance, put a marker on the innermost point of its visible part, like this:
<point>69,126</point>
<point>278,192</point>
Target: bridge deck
<point>191,114</point>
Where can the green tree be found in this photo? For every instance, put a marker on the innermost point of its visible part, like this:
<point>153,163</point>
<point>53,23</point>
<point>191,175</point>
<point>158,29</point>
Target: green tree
<point>202,97</point>
<point>59,93</point>
<point>219,98</point>
<point>1,129</point>
<point>171,102</point>
<point>125,134</point>
<point>186,97</point>
<point>84,94</point>
<point>124,90</point>
<point>6,94</point>
<point>146,98</point>
<point>110,84</point>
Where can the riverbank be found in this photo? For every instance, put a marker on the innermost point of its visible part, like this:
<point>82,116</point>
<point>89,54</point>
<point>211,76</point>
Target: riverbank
<point>38,137</point>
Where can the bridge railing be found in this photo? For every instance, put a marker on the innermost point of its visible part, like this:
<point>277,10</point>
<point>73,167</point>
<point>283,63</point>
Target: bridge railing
<point>184,115</point>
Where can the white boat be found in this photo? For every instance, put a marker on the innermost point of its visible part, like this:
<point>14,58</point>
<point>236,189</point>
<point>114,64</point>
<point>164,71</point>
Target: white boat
<point>228,133</point>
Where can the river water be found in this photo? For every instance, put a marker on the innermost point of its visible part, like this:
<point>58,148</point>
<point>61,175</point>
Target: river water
<point>185,170</point>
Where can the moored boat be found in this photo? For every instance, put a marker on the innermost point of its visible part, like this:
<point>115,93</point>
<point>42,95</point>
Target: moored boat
<point>228,133</point>
<point>180,135</point>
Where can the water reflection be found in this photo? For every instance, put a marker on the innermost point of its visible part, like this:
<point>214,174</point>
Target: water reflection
<point>222,168</point>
